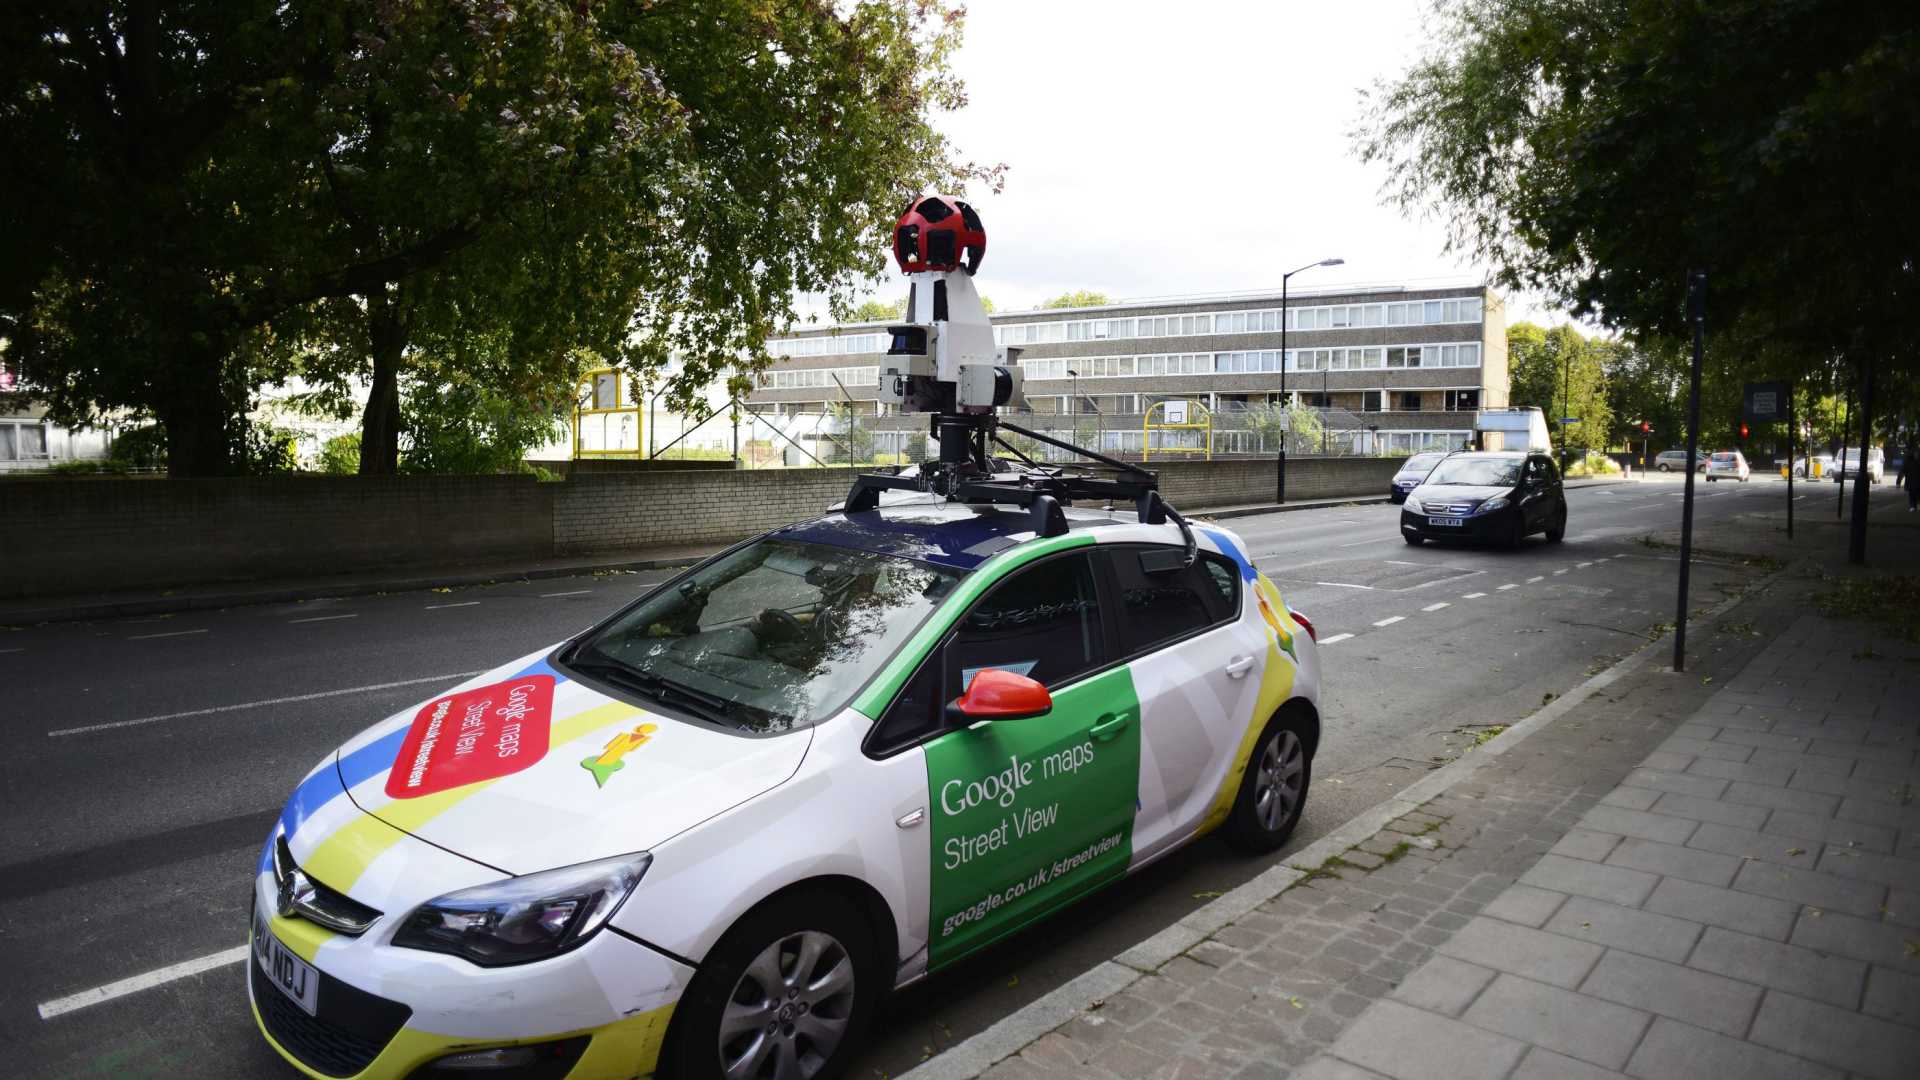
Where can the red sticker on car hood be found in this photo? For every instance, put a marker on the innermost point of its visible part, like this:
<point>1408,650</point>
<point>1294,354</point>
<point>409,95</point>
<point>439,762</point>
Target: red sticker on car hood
<point>480,734</point>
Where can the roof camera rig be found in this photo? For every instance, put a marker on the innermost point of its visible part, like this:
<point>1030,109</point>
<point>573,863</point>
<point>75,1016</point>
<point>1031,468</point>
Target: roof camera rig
<point>943,362</point>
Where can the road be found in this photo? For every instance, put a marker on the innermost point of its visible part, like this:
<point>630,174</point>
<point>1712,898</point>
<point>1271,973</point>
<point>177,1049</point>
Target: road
<point>147,757</point>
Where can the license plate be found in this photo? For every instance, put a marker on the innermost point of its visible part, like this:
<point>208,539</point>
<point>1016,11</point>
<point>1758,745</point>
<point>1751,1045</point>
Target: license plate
<point>293,976</point>
<point>1446,521</point>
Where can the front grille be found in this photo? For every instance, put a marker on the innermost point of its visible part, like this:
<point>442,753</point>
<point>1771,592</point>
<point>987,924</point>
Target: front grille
<point>351,1029</point>
<point>1447,509</point>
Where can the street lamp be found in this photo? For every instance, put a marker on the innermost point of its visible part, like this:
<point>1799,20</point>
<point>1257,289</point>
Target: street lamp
<point>1280,486</point>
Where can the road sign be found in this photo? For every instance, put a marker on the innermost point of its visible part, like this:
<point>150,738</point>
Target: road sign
<point>1764,402</point>
<point>1569,419</point>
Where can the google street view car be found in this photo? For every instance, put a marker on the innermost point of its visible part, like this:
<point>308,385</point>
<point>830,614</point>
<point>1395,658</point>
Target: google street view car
<point>707,836</point>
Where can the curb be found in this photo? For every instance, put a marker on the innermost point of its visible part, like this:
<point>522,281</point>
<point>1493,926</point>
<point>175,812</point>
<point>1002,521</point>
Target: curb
<point>1282,508</point>
<point>1014,1032</point>
<point>166,605</point>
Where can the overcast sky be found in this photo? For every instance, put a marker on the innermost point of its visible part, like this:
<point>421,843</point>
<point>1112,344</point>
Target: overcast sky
<point>1175,148</point>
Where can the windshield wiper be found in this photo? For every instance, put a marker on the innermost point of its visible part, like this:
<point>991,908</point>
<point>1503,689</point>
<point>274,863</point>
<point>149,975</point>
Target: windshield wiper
<point>710,707</point>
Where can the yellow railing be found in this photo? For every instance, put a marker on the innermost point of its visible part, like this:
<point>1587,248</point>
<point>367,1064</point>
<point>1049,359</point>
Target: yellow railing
<point>606,394</point>
<point>1183,409</point>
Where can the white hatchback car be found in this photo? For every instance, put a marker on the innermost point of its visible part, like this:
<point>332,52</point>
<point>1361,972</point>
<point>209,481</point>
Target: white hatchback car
<point>709,835</point>
<point>1728,465</point>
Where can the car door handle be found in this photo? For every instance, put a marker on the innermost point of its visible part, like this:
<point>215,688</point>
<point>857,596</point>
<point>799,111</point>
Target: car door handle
<point>1239,666</point>
<point>1109,725</point>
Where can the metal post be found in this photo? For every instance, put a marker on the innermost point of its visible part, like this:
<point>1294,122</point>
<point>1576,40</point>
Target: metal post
<point>1697,312</point>
<point>1326,406</point>
<point>1863,476</point>
<point>1566,406</point>
<point>1791,388</point>
<point>734,405</point>
<point>1846,421</point>
<point>1280,482</point>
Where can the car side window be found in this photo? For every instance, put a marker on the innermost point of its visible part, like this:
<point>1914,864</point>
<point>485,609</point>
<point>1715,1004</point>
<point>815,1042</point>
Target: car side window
<point>919,711</point>
<point>1537,472</point>
<point>1162,599</point>
<point>1042,622</point>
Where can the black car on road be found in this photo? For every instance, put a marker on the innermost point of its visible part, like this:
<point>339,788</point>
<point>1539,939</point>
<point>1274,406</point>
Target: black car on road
<point>1411,474</point>
<point>1499,496</point>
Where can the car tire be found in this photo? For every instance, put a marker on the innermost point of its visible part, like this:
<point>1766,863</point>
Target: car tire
<point>1413,539</point>
<point>1557,531</point>
<point>757,962</point>
<point>1664,468</point>
<point>1262,817</point>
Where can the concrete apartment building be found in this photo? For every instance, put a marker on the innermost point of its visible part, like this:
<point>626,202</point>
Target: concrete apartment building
<point>1398,368</point>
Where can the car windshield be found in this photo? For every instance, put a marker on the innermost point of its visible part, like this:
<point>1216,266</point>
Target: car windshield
<point>1476,472</point>
<point>775,636</point>
<point>1420,463</point>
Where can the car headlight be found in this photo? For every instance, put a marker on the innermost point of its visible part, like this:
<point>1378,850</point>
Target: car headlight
<point>1498,502</point>
<point>1413,504</point>
<point>525,918</point>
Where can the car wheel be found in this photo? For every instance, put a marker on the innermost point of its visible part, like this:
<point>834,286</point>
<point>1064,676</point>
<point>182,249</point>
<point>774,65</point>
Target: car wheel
<point>1665,468</point>
<point>1274,790</point>
<point>1413,539</point>
<point>1557,531</point>
<point>788,992</point>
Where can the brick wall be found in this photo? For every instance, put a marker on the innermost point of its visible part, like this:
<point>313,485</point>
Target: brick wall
<point>97,535</point>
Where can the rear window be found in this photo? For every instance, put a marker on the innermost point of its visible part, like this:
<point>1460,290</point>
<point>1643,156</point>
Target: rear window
<point>1420,463</point>
<point>1724,459</point>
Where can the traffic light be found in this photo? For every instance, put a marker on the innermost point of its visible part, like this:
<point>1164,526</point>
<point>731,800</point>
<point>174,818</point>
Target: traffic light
<point>1646,428</point>
<point>1743,431</point>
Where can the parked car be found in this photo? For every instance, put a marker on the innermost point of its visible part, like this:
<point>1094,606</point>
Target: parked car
<point>1412,471</point>
<point>1500,496</point>
<point>1876,465</point>
<point>1675,461</point>
<point>1823,464</point>
<point>707,836</point>
<point>1728,465</point>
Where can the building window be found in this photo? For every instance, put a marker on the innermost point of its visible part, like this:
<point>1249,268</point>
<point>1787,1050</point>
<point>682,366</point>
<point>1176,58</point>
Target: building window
<point>1410,402</point>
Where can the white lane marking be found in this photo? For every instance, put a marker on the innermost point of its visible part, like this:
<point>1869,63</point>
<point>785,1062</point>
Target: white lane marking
<point>1508,585</point>
<point>21,649</point>
<point>1335,639</point>
<point>1473,596</point>
<point>322,618</point>
<point>1562,570</point>
<point>463,603</point>
<point>1390,620</point>
<point>81,1000</point>
<point>575,592</point>
<point>170,633</point>
<point>1436,607</point>
<point>1344,585</point>
<point>1358,543</point>
<point>1536,577</point>
<point>1583,566</point>
<point>1401,562</point>
<point>261,704</point>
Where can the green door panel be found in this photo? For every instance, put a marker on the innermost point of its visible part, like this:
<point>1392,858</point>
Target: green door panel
<point>1030,814</point>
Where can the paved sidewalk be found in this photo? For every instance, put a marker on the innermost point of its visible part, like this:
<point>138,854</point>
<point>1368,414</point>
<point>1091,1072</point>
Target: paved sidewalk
<point>1699,875</point>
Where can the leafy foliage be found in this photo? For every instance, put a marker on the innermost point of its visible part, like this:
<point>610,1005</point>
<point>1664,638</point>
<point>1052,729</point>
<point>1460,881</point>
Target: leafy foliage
<point>456,424</point>
<point>340,455</point>
<point>1563,372</point>
<point>1597,150</point>
<point>1078,298</point>
<point>202,196</point>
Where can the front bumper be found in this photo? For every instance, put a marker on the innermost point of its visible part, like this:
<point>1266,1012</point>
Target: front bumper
<point>386,1013</point>
<point>1480,528</point>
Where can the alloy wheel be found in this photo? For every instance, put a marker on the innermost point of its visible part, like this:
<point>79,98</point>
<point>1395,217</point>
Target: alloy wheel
<point>789,1010</point>
<point>1276,790</point>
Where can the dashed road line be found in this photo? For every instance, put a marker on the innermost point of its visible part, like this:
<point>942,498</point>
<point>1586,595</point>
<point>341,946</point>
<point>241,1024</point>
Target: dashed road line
<point>261,704</point>
<point>159,977</point>
<point>574,592</point>
<point>1436,607</point>
<point>323,618</point>
<point>1536,577</point>
<point>1358,543</point>
<point>463,603</point>
<point>1583,566</point>
<point>1390,620</point>
<point>1473,596</point>
<point>1336,639</point>
<point>170,633</point>
<point>1344,585</point>
<point>1508,585</point>
<point>1560,571</point>
<point>21,649</point>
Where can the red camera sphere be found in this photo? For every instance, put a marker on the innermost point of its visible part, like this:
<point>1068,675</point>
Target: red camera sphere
<point>936,233</point>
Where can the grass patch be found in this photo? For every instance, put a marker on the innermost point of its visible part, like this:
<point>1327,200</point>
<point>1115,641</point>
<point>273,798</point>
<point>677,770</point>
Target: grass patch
<point>1744,629</point>
<point>1892,603</point>
<point>1399,850</point>
<point>1328,869</point>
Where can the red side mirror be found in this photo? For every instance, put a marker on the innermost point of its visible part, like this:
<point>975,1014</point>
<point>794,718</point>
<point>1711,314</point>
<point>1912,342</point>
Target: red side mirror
<point>1000,695</point>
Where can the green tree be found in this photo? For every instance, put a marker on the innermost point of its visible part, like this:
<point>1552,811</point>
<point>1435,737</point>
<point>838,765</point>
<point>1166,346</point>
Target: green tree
<point>340,455</point>
<point>1563,372</point>
<point>201,196</point>
<point>1078,298</point>
<point>871,310</point>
